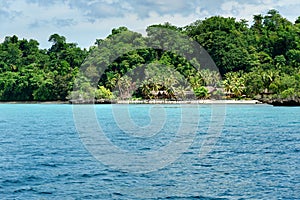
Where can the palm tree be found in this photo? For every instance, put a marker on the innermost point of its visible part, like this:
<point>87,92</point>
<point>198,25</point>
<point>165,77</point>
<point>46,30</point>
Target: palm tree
<point>111,80</point>
<point>180,92</point>
<point>194,81</point>
<point>238,87</point>
<point>125,86</point>
<point>145,89</point>
<point>210,77</point>
<point>228,86</point>
<point>234,84</point>
<point>268,78</point>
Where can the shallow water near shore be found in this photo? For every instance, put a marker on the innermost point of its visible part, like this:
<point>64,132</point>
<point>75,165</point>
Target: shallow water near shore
<point>256,156</point>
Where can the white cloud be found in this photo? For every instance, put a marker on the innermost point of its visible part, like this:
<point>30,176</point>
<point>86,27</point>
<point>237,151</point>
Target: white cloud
<point>83,21</point>
<point>288,2</point>
<point>246,9</point>
<point>229,6</point>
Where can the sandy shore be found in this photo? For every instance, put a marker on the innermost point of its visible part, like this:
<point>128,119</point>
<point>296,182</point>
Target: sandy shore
<point>189,102</point>
<point>207,101</point>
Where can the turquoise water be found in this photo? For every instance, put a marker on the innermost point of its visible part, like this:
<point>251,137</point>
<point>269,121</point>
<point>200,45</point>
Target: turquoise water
<point>256,155</point>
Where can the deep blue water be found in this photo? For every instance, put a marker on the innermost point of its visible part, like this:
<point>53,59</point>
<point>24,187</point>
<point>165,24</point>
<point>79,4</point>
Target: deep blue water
<point>256,156</point>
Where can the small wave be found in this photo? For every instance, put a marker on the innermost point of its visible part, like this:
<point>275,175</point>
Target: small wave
<point>31,178</point>
<point>188,153</point>
<point>11,181</point>
<point>48,164</point>
<point>38,154</point>
<point>24,189</point>
<point>117,194</point>
<point>201,165</point>
<point>193,197</point>
<point>107,180</point>
<point>164,185</point>
<point>45,192</point>
<point>62,175</point>
<point>93,175</point>
<point>275,152</point>
<point>145,149</point>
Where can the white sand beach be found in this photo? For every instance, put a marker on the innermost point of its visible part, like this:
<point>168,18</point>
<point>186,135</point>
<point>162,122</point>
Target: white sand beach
<point>206,101</point>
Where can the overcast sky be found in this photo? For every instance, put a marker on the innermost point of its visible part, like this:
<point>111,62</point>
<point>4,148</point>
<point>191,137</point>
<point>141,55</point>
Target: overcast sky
<point>83,21</point>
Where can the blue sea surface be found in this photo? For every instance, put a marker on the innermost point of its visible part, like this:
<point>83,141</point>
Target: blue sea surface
<point>257,155</point>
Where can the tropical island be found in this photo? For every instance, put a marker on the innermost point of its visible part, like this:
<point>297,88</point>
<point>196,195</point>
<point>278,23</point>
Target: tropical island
<point>257,60</point>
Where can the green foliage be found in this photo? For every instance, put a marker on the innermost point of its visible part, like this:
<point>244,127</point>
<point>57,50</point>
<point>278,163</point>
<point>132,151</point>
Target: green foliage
<point>260,60</point>
<point>29,73</point>
<point>201,92</point>
<point>234,84</point>
<point>103,93</point>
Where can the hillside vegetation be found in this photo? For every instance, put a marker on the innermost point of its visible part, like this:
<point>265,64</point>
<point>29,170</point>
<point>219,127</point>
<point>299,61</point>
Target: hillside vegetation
<point>261,60</point>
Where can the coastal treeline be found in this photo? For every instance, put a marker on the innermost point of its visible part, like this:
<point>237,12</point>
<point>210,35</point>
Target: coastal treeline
<point>260,60</point>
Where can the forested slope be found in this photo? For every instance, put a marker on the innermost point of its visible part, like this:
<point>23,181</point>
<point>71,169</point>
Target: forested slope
<point>257,60</point>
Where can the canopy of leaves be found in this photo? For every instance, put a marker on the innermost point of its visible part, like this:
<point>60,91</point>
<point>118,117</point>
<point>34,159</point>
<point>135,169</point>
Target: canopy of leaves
<point>254,61</point>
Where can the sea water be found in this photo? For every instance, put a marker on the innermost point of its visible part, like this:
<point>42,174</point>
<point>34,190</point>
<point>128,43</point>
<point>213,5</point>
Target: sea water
<point>254,153</point>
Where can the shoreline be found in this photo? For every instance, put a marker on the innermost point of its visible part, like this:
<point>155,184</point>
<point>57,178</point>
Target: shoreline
<point>206,101</point>
<point>34,102</point>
